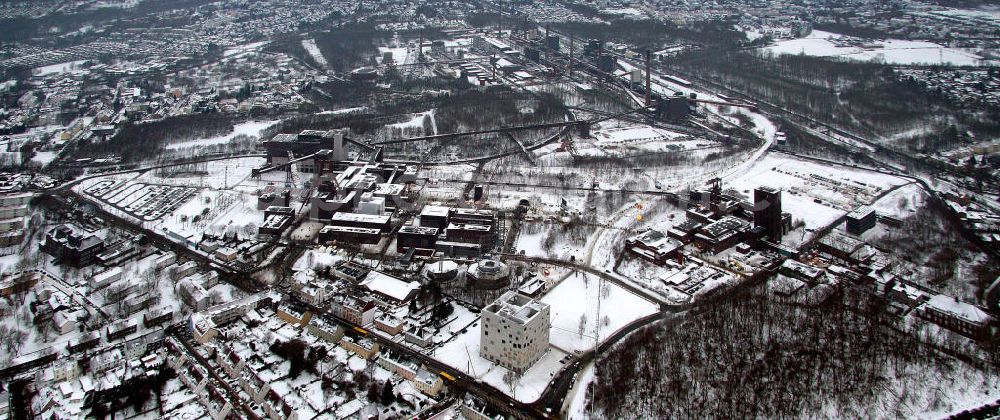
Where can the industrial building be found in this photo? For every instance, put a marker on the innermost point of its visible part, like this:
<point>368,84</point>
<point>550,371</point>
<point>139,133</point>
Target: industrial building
<point>767,212</point>
<point>653,246</point>
<point>72,246</point>
<point>861,220</point>
<point>307,142</point>
<point>276,220</point>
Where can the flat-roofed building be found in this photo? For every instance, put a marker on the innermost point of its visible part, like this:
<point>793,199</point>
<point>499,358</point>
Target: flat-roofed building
<point>653,246</point>
<point>354,235</point>
<point>861,220</point>
<point>359,220</point>
<point>722,234</point>
<point>515,331</point>
<point>276,220</point>
<point>434,216</point>
<point>416,237</point>
<point>767,212</point>
<point>483,235</point>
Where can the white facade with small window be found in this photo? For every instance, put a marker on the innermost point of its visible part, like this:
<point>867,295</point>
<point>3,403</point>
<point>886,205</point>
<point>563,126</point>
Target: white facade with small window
<point>515,331</point>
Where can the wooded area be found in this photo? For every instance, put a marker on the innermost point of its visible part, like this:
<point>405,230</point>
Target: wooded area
<point>749,356</point>
<point>135,142</point>
<point>864,98</point>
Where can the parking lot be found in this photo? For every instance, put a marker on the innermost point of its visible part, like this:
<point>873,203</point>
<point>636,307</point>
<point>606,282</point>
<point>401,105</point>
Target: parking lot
<point>143,201</point>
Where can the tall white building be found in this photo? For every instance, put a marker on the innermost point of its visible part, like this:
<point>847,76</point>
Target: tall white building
<point>515,331</point>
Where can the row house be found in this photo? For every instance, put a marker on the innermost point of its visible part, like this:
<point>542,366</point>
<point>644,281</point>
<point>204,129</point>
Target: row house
<point>398,364</point>
<point>364,347</point>
<point>294,316</point>
<point>254,386</point>
<point>390,323</point>
<point>215,400</point>
<point>231,362</point>
<point>277,409</point>
<point>357,311</point>
<point>324,330</point>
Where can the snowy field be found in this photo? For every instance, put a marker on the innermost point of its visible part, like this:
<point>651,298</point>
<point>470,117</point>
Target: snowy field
<point>576,323</point>
<point>462,353</point>
<point>243,50</point>
<point>892,51</point>
<point>902,202</point>
<point>314,52</point>
<point>250,128</point>
<point>58,68</point>
<point>399,55</point>
<point>43,158</point>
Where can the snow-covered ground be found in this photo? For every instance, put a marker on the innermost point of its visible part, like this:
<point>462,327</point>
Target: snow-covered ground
<point>249,128</point>
<point>814,193</point>
<point>633,135</point>
<point>58,68</point>
<point>399,55</point>
<point>343,111</point>
<point>43,158</point>
<point>414,123</point>
<point>314,52</point>
<point>574,304</point>
<point>462,353</point>
<point>893,51</point>
<point>244,49</point>
<point>903,202</point>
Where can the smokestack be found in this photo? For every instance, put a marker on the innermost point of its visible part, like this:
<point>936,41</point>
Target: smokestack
<point>545,43</point>
<point>647,78</point>
<point>500,10</point>
<point>569,63</point>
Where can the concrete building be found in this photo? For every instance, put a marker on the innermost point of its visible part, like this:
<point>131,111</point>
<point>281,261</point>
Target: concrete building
<point>860,220</point>
<point>71,246</point>
<point>421,239</point>
<point>351,235</point>
<point>653,246</point>
<point>515,331</point>
<point>370,204</point>
<point>767,212</point>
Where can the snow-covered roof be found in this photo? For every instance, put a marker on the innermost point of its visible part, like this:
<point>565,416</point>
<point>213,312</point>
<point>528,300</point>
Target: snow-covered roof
<point>952,306</point>
<point>390,286</point>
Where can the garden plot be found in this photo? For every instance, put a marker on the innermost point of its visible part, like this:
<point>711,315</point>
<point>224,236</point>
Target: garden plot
<point>187,201</point>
